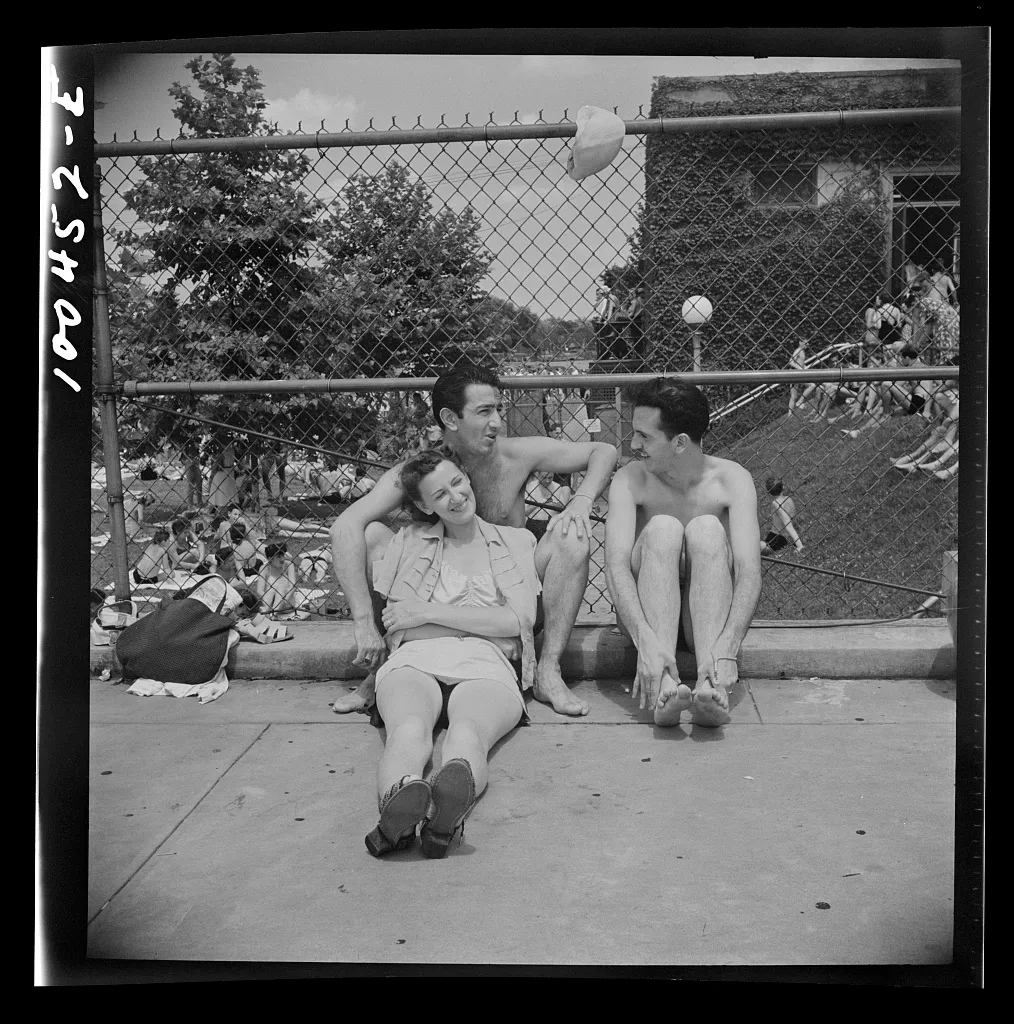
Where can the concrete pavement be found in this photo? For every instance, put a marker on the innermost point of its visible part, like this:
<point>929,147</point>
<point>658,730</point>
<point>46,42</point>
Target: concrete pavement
<point>817,828</point>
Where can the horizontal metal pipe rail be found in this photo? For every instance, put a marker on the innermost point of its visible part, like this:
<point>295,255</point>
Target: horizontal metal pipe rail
<point>491,133</point>
<point>136,389</point>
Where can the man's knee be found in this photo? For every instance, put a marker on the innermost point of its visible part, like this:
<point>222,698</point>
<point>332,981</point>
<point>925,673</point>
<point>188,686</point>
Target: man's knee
<point>663,533</point>
<point>570,548</point>
<point>376,535</point>
<point>705,534</point>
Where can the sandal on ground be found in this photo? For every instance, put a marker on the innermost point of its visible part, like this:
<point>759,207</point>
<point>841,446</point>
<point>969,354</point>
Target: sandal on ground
<point>404,805</point>
<point>453,788</point>
<point>262,630</point>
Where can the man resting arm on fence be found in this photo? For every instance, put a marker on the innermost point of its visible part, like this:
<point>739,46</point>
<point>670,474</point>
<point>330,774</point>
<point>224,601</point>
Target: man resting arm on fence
<point>467,403</point>
<point>682,554</point>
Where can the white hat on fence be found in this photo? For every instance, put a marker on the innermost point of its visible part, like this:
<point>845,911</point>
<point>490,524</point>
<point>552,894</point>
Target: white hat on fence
<point>599,138</point>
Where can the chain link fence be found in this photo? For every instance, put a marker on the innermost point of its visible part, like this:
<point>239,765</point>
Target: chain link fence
<point>356,266</point>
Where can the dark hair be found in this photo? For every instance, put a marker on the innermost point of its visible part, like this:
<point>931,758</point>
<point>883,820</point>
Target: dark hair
<point>773,487</point>
<point>178,526</point>
<point>414,471</point>
<point>161,536</point>
<point>683,407</point>
<point>237,533</point>
<point>250,600</point>
<point>908,352</point>
<point>450,388</point>
<point>278,548</point>
<point>216,522</point>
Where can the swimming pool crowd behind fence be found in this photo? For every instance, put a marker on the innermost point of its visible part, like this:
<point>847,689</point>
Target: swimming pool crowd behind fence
<point>271,311</point>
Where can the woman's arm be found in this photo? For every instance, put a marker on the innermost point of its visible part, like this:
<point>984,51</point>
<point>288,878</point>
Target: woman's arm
<point>497,620</point>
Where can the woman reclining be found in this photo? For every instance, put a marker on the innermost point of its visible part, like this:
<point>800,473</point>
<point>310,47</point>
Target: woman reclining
<point>462,600</point>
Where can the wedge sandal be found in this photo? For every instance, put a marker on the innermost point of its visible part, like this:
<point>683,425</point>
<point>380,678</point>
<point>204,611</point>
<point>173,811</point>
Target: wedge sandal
<point>404,805</point>
<point>262,630</point>
<point>453,788</point>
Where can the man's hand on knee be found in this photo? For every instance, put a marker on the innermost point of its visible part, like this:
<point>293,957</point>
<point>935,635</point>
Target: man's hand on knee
<point>573,517</point>
<point>574,546</point>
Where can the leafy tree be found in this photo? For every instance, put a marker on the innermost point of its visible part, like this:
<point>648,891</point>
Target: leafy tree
<point>223,241</point>
<point>401,281</point>
<point>500,326</point>
<point>399,296</point>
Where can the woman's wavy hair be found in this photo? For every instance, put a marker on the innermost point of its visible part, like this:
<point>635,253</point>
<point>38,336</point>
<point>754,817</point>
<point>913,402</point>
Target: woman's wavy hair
<point>415,470</point>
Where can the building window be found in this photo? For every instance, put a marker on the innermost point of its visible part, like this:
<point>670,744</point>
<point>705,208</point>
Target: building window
<point>926,222</point>
<point>785,185</point>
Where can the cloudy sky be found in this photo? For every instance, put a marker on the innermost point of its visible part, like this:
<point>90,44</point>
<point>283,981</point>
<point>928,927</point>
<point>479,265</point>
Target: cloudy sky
<point>551,237</point>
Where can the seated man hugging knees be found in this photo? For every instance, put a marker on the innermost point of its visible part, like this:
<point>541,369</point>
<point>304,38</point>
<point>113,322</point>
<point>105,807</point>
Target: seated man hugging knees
<point>682,554</point>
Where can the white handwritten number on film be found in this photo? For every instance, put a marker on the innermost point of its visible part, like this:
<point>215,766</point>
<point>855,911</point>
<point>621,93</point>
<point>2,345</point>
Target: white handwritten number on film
<point>66,313</point>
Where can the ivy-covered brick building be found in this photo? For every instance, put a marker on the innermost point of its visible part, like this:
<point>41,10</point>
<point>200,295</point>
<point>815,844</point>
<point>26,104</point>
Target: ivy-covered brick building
<point>791,232</point>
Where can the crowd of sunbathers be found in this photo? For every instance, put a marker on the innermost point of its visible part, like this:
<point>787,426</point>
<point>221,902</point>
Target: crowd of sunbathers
<point>922,322</point>
<point>253,553</point>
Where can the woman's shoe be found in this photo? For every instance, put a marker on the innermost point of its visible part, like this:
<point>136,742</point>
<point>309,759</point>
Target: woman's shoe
<point>403,807</point>
<point>453,789</point>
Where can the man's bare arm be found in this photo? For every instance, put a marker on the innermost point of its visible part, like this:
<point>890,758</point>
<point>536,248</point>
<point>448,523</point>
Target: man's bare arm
<point>595,459</point>
<point>744,535</point>
<point>621,522</point>
<point>348,540</point>
<point>547,455</point>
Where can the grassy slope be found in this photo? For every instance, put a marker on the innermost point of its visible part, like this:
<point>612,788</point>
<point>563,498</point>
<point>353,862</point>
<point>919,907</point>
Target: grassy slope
<point>855,514</point>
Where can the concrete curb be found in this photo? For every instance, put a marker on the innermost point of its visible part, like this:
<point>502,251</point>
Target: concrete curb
<point>912,649</point>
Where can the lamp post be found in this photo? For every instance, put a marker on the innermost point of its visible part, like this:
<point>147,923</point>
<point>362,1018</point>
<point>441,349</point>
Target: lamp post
<point>696,312</point>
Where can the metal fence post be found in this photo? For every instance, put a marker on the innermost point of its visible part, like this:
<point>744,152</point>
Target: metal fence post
<point>105,390</point>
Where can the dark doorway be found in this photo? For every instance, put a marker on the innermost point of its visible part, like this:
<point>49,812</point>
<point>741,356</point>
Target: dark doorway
<point>926,227</point>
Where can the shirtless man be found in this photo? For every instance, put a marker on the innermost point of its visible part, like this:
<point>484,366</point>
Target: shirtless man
<point>682,554</point>
<point>783,511</point>
<point>467,404</point>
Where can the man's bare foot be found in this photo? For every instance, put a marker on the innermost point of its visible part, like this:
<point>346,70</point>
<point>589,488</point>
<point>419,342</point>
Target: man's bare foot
<point>710,705</point>
<point>359,699</point>
<point>674,698</point>
<point>551,689</point>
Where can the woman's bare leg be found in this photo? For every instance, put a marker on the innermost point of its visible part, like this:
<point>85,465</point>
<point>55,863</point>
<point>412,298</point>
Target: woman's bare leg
<point>479,712</point>
<point>409,702</point>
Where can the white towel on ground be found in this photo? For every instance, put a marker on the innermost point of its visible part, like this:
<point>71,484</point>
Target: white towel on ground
<point>205,692</point>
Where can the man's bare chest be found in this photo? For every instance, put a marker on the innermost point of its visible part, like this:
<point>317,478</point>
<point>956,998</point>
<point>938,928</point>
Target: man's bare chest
<point>655,498</point>
<point>499,492</point>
